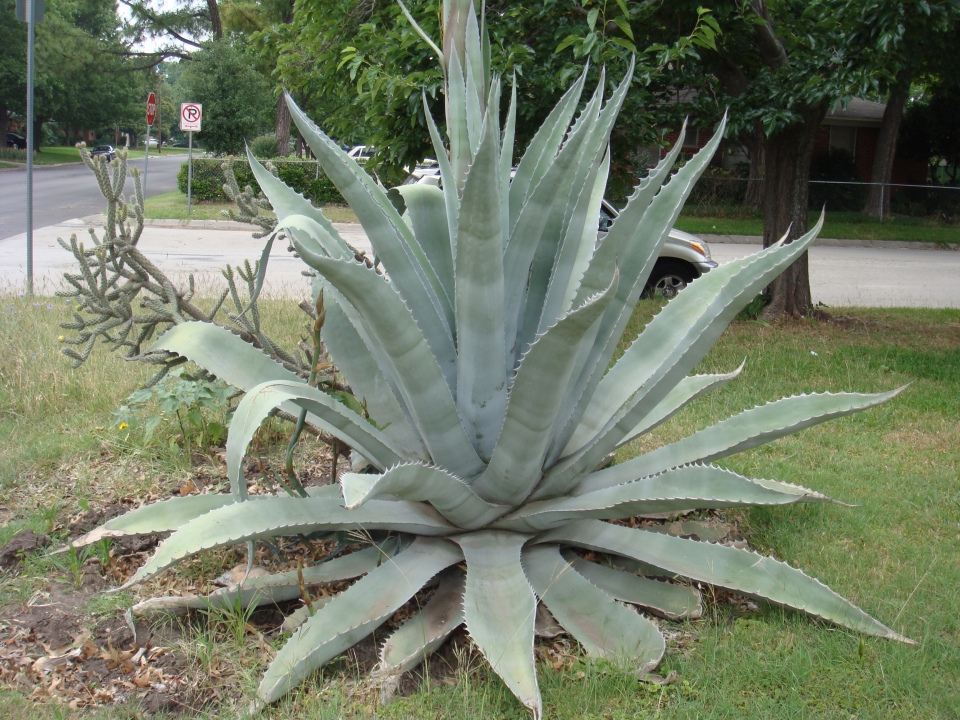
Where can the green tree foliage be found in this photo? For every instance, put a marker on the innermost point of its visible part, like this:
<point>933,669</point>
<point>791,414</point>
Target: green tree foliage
<point>931,132</point>
<point>237,100</point>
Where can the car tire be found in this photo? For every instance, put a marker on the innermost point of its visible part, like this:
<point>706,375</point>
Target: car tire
<point>669,276</point>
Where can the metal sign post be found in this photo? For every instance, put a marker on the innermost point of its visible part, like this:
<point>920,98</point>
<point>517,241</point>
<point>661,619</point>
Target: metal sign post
<point>191,116</point>
<point>30,12</point>
<point>151,115</point>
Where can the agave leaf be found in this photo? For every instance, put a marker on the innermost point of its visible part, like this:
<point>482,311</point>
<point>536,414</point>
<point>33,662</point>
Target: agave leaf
<point>394,243</point>
<point>332,416</point>
<point>632,244</point>
<point>286,201</point>
<point>603,626</point>
<point>741,432</point>
<point>356,361</point>
<point>451,195</point>
<point>531,227</point>
<point>481,373</point>
<point>274,516</point>
<point>457,122</point>
<point>158,517</point>
<point>506,161</point>
<point>675,602</point>
<point>727,567</point>
<point>355,613</point>
<point>499,608</point>
<point>669,347</point>
<point>473,67</point>
<point>420,379</point>
<point>273,588</point>
<point>429,628</point>
<point>515,466</point>
<point>691,487</point>
<point>686,391</point>
<point>427,207</point>
<point>540,153</point>
<point>452,497</point>
<point>307,230</point>
<point>474,105</point>
<point>422,33</point>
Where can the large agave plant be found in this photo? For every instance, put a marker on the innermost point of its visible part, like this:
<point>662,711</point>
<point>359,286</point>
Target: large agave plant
<point>483,354</point>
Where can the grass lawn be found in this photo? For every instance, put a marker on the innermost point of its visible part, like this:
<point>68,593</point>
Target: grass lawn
<point>851,226</point>
<point>46,155</point>
<point>173,205</point>
<point>895,553</point>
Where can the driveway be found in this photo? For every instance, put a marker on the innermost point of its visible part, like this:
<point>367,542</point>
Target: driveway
<point>70,191</point>
<point>839,276</point>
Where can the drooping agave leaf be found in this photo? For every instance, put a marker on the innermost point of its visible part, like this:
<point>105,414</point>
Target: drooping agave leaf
<point>332,416</point>
<point>499,608</point>
<point>741,432</point>
<point>515,466</point>
<point>355,613</point>
<point>686,391</point>
<point>421,383</point>
<point>727,567</point>
<point>691,487</point>
<point>357,362</point>
<point>452,497</point>
<point>158,517</point>
<point>481,372</point>
<point>275,516</point>
<point>603,626</point>
<point>273,588</point>
<point>670,600</point>
<point>667,349</point>
<point>427,630</point>
<point>394,242</point>
<point>428,213</point>
<point>540,153</point>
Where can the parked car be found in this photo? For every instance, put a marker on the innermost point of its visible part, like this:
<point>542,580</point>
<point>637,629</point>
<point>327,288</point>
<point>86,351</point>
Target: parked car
<point>361,153</point>
<point>16,141</point>
<point>106,151</point>
<point>683,257</point>
<point>152,142</point>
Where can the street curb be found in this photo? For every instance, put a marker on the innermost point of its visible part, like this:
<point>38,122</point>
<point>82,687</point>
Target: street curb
<point>833,242</point>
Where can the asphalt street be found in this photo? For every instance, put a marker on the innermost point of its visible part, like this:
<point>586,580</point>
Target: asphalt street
<point>69,191</point>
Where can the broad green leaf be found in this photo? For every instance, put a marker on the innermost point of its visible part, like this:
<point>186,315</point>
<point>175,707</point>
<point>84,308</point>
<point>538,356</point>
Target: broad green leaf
<point>727,567</point>
<point>515,466</point>
<point>275,516</point>
<point>452,497</point>
<point>499,609</point>
<point>393,242</point>
<point>421,383</point>
<point>690,487</point>
<point>355,613</point>
<point>604,627</point>
<point>675,602</point>
<point>741,432</point>
<point>428,629</point>
<point>481,372</point>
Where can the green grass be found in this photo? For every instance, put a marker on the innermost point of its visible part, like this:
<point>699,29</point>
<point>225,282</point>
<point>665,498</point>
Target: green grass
<point>43,156</point>
<point>173,206</point>
<point>850,226</point>
<point>894,553</point>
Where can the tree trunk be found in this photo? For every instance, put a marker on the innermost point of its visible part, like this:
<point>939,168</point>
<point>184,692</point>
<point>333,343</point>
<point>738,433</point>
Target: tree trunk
<point>282,127</point>
<point>215,24</point>
<point>878,198</point>
<point>4,125</point>
<point>754,142</point>
<point>787,159</point>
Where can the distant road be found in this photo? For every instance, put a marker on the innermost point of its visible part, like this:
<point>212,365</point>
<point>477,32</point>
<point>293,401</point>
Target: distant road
<point>70,191</point>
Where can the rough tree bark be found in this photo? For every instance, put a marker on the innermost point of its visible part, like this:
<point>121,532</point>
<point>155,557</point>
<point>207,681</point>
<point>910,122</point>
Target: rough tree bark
<point>787,157</point>
<point>755,143</point>
<point>4,124</point>
<point>887,146</point>
<point>282,126</point>
<point>215,24</point>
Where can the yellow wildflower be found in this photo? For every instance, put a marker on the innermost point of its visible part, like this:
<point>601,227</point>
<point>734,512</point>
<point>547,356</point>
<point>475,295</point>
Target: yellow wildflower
<point>60,338</point>
<point>122,426</point>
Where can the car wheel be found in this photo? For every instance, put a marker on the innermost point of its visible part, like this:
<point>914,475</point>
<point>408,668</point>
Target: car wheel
<point>669,277</point>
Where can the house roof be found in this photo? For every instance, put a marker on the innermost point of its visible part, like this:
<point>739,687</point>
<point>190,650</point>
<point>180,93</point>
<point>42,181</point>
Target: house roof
<point>863,113</point>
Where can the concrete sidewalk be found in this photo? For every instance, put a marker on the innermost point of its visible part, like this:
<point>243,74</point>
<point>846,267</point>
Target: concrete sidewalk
<point>840,275</point>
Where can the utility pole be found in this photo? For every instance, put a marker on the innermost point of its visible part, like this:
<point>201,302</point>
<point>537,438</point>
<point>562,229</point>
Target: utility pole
<point>30,12</point>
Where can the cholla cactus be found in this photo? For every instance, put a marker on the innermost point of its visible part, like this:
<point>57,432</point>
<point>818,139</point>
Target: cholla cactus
<point>483,357</point>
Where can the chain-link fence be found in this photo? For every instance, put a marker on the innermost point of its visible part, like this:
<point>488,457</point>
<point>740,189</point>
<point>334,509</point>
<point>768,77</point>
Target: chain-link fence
<point>726,196</point>
<point>304,176</point>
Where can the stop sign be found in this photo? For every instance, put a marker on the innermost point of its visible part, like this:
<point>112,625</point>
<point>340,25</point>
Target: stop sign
<point>151,108</point>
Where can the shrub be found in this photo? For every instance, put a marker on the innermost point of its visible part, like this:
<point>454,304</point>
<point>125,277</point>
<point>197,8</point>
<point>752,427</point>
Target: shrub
<point>304,176</point>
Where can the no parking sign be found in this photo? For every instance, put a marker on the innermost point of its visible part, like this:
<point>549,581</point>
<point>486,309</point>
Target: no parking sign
<point>191,115</point>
